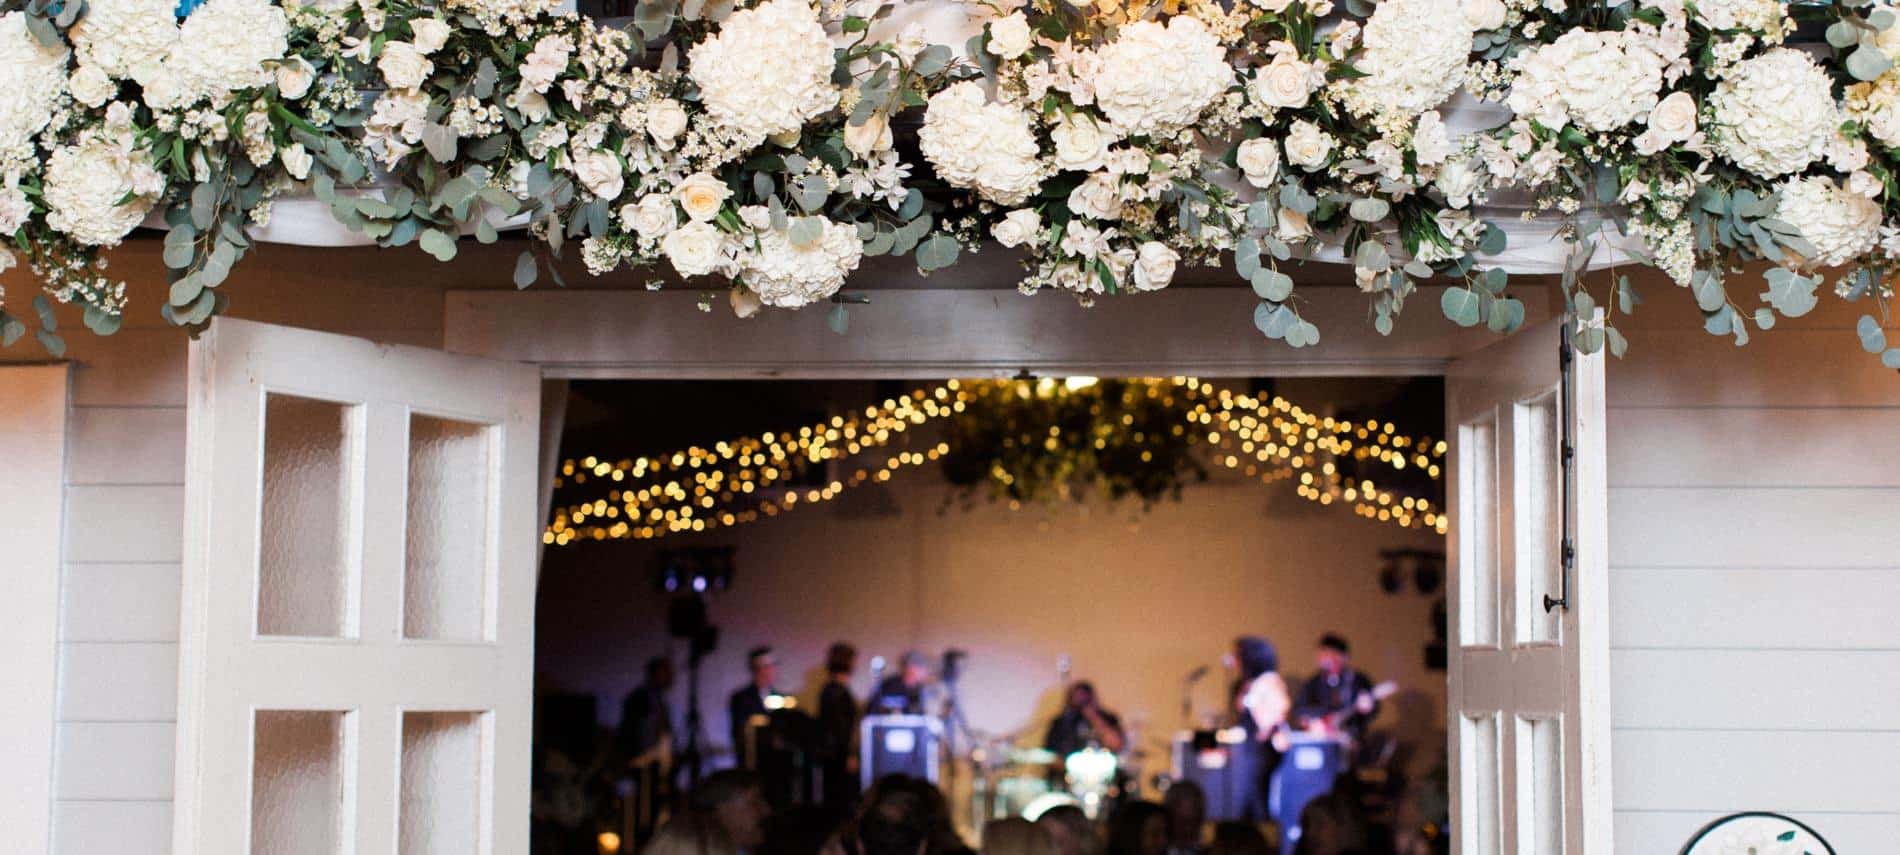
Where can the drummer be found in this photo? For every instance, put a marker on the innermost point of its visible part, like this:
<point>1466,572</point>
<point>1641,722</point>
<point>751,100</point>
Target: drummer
<point>1083,724</point>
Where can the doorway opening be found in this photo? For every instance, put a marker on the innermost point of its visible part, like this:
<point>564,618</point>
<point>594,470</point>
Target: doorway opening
<point>1024,536</point>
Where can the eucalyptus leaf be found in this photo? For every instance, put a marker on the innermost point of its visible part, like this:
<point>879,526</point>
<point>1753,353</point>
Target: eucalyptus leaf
<point>1369,209</point>
<point>1272,285</point>
<point>806,231</point>
<point>1506,315</point>
<point>839,319</point>
<point>1791,293</point>
<point>1873,339</point>
<point>102,322</point>
<point>937,252</point>
<point>1868,63</point>
<point>49,339</point>
<point>526,270</point>
<point>1891,358</point>
<point>1460,306</point>
<point>10,329</point>
<point>1274,319</point>
<point>186,290</point>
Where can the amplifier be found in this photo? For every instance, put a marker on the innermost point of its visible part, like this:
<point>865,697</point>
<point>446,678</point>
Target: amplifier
<point>1307,772</point>
<point>899,745</point>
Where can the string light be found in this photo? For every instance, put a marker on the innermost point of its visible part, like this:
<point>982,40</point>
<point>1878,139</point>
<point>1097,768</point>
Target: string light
<point>692,490</point>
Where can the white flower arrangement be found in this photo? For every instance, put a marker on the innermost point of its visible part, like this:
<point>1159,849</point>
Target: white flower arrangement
<point>1111,145</point>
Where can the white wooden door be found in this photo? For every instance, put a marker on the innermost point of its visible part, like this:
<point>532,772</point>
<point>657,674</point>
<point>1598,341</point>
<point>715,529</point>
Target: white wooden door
<point>1529,722</point>
<point>356,643</point>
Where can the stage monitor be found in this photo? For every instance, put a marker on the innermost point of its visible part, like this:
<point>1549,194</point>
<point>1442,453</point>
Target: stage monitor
<point>899,745</point>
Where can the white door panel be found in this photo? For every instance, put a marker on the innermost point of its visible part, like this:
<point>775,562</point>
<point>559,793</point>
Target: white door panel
<point>1529,682</point>
<point>356,640</point>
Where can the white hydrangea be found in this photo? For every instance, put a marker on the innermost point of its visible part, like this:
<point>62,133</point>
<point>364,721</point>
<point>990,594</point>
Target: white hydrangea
<point>1774,114</point>
<point>35,77</point>
<point>786,275</point>
<point>1414,57</point>
<point>223,46</point>
<point>1156,77</point>
<point>768,70</point>
<point>1842,225</point>
<point>85,183</point>
<point>980,146</point>
<point>126,38</point>
<point>1599,80</point>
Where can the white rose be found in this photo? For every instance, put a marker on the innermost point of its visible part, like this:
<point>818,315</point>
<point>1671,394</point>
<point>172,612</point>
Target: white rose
<point>1099,197</point>
<point>694,249</point>
<point>1080,143</point>
<point>1017,228</point>
<point>869,136</point>
<point>403,66</point>
<point>296,160</point>
<point>294,77</point>
<point>1674,117</point>
<point>1460,180</point>
<point>702,194</point>
<point>1010,36</point>
<point>1154,266</point>
<point>1285,83</point>
<point>90,86</point>
<point>911,42</point>
<point>429,34</point>
<point>1259,161</point>
<point>1485,14</point>
<point>745,304</point>
<point>652,217</point>
<point>666,120</point>
<point>599,172</point>
<point>1431,142</point>
<point>1307,147</point>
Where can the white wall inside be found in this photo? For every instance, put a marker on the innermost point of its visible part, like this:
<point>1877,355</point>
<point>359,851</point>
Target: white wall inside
<point>1136,599</point>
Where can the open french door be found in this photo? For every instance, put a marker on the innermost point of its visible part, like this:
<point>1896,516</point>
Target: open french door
<point>1529,724</point>
<point>356,640</point>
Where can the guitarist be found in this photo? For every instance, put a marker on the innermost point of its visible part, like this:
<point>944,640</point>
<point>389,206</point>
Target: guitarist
<point>1339,699</point>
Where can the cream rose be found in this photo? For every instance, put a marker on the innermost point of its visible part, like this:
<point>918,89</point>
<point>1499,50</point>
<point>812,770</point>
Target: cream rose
<point>1292,226</point>
<point>1672,120</point>
<point>294,77</point>
<point>1081,143</point>
<point>1017,228</point>
<point>1154,266</point>
<point>429,34</point>
<point>403,65</point>
<point>1485,14</point>
<point>694,249</point>
<point>1307,147</point>
<point>599,172</point>
<point>1098,198</point>
<point>869,136</point>
<point>1010,36</point>
<point>666,120</point>
<point>90,86</point>
<point>1286,83</point>
<point>701,194</point>
<point>297,161</point>
<point>1259,161</point>
<point>652,217</point>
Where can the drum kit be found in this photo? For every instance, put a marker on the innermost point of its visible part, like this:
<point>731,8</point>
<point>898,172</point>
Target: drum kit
<point>1012,781</point>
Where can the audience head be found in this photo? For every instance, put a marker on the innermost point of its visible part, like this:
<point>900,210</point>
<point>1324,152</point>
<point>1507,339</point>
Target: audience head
<point>1081,695</point>
<point>764,666</point>
<point>690,833</point>
<point>736,801</point>
<point>1071,830</point>
<point>1138,828</point>
<point>1330,825</point>
<point>1334,653</point>
<point>1186,803</point>
<point>660,673</point>
<point>896,819</point>
<point>1235,837</point>
<point>1016,836</point>
<point>841,660</point>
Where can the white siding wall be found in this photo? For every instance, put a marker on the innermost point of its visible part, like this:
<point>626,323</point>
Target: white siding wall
<point>118,629</point>
<point>1755,580</point>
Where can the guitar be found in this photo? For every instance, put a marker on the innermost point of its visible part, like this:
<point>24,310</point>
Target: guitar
<point>1331,723</point>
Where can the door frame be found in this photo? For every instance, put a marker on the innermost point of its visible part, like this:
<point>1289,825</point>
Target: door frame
<point>933,334</point>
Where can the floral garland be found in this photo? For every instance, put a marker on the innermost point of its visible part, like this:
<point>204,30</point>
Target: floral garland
<point>768,145</point>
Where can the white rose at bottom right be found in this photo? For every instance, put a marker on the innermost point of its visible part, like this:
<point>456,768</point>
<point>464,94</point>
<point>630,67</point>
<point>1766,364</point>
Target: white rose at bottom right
<point>1840,224</point>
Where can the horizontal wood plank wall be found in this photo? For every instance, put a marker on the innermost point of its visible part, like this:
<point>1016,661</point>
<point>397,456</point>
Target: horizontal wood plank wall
<point>124,486</point>
<point>1755,579</point>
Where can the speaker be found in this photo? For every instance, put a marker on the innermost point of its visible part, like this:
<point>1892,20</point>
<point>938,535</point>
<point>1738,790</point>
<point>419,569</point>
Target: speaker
<point>1308,771</point>
<point>1200,757</point>
<point>899,745</point>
